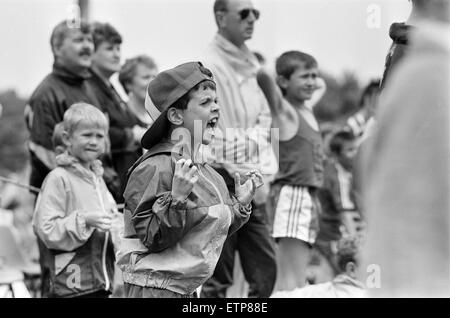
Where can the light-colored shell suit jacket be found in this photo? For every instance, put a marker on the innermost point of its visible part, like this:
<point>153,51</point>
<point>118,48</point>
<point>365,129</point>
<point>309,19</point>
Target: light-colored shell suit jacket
<point>174,245</point>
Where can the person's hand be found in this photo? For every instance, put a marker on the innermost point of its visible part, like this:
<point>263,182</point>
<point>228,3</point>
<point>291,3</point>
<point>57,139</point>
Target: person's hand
<point>245,192</point>
<point>99,220</point>
<point>184,179</point>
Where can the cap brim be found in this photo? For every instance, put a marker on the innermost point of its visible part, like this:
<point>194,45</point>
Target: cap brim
<point>156,132</point>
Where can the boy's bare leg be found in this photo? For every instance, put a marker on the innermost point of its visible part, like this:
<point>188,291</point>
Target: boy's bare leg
<point>292,257</point>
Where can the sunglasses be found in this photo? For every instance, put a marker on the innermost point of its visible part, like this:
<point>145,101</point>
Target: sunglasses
<point>246,12</point>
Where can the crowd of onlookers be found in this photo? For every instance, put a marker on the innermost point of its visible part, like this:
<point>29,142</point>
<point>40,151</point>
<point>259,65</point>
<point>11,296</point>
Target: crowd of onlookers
<point>127,208</point>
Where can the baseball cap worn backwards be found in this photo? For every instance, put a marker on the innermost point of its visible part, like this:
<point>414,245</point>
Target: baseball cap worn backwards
<point>164,90</point>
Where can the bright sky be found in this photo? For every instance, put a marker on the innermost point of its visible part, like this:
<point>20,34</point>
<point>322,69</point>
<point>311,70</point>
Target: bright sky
<point>336,32</point>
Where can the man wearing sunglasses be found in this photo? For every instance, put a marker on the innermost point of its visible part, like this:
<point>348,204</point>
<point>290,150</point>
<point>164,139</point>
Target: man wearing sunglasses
<point>243,141</point>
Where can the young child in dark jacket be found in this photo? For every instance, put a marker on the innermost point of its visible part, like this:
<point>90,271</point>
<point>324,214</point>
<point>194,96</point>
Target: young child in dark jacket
<point>178,211</point>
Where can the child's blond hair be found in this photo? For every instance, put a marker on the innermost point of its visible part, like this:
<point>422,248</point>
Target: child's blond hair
<point>86,114</point>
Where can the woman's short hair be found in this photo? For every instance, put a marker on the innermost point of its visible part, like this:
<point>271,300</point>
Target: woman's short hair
<point>128,70</point>
<point>105,32</point>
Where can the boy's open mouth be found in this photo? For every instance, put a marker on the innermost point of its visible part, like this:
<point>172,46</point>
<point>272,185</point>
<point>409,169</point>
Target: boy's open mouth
<point>212,123</point>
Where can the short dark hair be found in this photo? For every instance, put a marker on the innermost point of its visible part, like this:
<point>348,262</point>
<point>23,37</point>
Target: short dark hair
<point>220,5</point>
<point>338,139</point>
<point>290,61</point>
<point>348,251</point>
<point>60,31</point>
<point>105,32</point>
<point>183,101</point>
<point>128,70</point>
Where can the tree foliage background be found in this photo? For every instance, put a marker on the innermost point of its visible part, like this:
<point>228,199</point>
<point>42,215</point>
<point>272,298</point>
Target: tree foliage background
<point>13,133</point>
<point>341,98</point>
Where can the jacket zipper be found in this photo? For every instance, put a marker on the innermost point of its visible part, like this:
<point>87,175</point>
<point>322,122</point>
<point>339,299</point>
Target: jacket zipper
<point>105,244</point>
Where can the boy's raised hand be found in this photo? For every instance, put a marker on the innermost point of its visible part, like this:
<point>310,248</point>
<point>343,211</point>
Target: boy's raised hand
<point>184,179</point>
<point>245,192</point>
<point>98,219</point>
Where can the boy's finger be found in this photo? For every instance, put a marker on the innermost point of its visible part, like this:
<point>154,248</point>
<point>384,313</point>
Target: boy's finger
<point>106,217</point>
<point>192,172</point>
<point>259,176</point>
<point>105,223</point>
<point>104,227</point>
<point>253,178</point>
<point>194,179</point>
<point>179,164</point>
<point>237,180</point>
<point>186,166</point>
<point>253,171</point>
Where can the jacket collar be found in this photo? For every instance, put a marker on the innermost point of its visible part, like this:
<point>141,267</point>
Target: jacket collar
<point>243,61</point>
<point>72,164</point>
<point>95,77</point>
<point>69,76</point>
<point>108,89</point>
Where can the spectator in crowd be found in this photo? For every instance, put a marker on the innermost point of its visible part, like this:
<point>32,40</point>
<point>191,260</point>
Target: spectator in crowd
<point>343,285</point>
<point>406,166</point>
<point>134,77</point>
<point>339,215</point>
<point>72,51</point>
<point>125,131</point>
<point>178,211</point>
<point>74,212</point>
<point>245,124</point>
<point>362,122</point>
<point>293,194</point>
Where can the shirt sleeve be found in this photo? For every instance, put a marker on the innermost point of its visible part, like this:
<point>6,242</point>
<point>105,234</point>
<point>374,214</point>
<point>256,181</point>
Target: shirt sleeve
<point>159,220</point>
<point>241,214</point>
<point>57,226</point>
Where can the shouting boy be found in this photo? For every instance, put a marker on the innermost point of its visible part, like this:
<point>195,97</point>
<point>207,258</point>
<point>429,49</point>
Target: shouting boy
<point>178,211</point>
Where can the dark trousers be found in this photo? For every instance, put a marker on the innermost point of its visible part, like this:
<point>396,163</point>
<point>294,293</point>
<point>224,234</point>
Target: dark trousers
<point>256,252</point>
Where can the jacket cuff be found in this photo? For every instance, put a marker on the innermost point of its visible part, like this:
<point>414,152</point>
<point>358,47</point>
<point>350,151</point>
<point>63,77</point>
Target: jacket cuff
<point>166,200</point>
<point>247,209</point>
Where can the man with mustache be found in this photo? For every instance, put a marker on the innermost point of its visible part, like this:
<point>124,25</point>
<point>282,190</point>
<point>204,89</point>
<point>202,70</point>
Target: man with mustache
<point>245,124</point>
<point>72,48</point>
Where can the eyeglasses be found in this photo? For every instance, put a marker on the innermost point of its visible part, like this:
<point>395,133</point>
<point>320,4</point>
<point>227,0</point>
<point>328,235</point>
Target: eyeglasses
<point>246,12</point>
